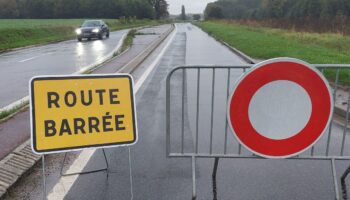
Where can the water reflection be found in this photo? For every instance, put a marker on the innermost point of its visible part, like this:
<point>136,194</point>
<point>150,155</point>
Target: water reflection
<point>79,49</point>
<point>89,53</point>
<point>98,48</point>
<point>98,45</point>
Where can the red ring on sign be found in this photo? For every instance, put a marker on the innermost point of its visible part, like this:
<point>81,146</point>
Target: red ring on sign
<point>307,78</point>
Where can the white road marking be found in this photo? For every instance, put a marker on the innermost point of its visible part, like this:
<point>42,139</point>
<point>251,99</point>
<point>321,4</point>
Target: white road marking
<point>64,184</point>
<point>28,59</point>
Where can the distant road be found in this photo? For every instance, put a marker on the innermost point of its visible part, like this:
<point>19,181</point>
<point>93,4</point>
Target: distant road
<point>17,67</point>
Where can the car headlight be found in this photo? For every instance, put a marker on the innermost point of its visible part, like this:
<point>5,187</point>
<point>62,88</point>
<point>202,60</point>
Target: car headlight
<point>78,31</point>
<point>95,30</point>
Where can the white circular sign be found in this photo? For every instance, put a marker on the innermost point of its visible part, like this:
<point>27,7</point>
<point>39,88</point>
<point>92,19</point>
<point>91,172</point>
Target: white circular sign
<point>277,114</point>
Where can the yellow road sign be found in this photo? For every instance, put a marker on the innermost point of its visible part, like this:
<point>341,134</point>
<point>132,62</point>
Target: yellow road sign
<point>76,112</point>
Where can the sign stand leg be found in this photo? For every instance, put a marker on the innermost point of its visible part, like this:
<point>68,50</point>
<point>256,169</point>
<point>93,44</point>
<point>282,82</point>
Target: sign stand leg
<point>85,172</point>
<point>194,194</point>
<point>131,181</point>
<point>44,176</point>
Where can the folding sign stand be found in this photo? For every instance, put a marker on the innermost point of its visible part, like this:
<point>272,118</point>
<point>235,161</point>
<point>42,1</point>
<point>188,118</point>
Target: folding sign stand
<point>85,172</point>
<point>71,174</point>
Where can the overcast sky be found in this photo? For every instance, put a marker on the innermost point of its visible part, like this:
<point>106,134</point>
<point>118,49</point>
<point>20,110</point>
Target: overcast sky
<point>191,6</point>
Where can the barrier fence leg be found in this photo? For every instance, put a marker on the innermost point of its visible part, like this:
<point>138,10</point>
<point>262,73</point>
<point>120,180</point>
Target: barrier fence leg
<point>215,169</point>
<point>334,173</point>
<point>194,194</point>
<point>343,184</point>
<point>106,160</point>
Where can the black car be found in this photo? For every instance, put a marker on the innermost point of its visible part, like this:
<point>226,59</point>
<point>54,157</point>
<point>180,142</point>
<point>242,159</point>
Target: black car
<point>92,29</point>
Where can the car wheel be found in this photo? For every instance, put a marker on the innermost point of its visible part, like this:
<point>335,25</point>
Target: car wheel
<point>100,36</point>
<point>79,39</point>
<point>107,35</point>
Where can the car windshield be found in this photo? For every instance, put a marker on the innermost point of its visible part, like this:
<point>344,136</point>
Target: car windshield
<point>91,24</point>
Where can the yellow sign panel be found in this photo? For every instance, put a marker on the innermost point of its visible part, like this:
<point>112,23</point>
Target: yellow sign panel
<point>76,112</point>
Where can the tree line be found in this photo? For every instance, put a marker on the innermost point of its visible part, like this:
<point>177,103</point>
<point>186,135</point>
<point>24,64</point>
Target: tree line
<point>83,8</point>
<point>313,14</point>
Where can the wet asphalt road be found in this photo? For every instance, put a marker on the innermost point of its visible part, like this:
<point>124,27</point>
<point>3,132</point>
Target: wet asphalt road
<point>17,67</point>
<point>14,132</point>
<point>156,177</point>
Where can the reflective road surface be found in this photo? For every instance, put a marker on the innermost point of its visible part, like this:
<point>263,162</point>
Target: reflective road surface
<point>17,67</point>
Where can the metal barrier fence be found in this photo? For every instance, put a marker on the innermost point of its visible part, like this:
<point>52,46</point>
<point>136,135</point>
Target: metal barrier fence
<point>196,101</point>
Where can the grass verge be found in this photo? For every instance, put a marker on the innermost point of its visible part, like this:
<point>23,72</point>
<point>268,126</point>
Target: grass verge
<point>128,40</point>
<point>16,33</point>
<point>265,43</point>
<point>7,114</point>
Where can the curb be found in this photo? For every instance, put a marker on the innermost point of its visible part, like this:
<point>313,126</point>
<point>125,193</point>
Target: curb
<point>242,55</point>
<point>24,105</point>
<point>130,66</point>
<point>15,165</point>
<point>340,112</point>
<point>239,53</point>
<point>22,159</point>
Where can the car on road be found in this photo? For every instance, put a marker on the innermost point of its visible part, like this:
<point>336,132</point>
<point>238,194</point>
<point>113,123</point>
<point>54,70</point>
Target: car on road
<point>92,29</point>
